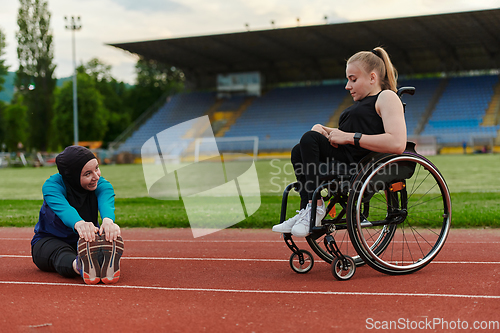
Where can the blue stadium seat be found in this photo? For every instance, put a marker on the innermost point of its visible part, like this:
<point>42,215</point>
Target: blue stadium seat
<point>460,111</point>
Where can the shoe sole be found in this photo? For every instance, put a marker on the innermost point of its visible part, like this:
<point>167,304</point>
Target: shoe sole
<point>110,270</point>
<point>318,224</point>
<point>87,251</point>
<point>282,231</point>
<point>299,234</point>
<point>277,228</point>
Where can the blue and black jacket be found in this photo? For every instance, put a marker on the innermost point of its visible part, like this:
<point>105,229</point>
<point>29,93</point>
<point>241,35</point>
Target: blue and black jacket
<point>58,218</point>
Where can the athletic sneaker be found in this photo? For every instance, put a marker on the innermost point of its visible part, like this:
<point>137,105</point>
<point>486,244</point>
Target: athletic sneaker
<point>110,271</point>
<point>286,227</point>
<point>301,228</point>
<point>87,260</point>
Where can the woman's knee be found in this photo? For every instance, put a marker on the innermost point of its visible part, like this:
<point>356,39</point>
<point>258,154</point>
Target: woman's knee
<point>54,255</point>
<point>42,264</point>
<point>295,155</point>
<point>63,264</point>
<point>40,258</point>
<point>310,137</point>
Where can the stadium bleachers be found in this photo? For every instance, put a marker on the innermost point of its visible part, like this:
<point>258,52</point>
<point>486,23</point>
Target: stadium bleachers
<point>460,111</point>
<point>231,104</point>
<point>418,103</point>
<point>180,108</point>
<point>280,116</point>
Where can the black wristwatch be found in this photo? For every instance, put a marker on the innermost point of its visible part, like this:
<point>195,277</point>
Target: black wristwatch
<point>357,136</point>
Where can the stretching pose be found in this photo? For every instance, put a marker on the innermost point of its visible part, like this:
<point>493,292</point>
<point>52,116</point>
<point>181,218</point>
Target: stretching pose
<point>68,238</point>
<point>375,123</point>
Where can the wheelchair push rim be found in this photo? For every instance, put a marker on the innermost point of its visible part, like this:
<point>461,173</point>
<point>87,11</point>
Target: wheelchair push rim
<point>397,257</point>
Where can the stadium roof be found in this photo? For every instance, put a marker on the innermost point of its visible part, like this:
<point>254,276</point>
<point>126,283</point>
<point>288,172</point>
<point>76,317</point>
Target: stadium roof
<point>424,44</point>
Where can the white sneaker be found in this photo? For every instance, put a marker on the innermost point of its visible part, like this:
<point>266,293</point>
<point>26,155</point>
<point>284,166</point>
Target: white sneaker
<point>301,228</point>
<point>286,227</point>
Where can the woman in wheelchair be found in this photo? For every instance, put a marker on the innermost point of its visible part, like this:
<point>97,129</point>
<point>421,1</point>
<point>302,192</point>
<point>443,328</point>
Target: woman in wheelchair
<point>375,123</point>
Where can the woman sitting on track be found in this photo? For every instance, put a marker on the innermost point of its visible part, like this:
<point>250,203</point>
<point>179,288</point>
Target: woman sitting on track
<point>68,223</point>
<point>374,123</point>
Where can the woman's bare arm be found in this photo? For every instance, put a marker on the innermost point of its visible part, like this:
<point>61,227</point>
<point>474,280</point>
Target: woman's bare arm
<point>390,108</point>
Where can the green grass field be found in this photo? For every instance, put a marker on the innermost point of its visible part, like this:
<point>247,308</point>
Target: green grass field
<point>473,180</point>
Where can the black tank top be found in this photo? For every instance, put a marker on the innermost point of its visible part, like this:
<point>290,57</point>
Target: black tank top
<point>360,117</point>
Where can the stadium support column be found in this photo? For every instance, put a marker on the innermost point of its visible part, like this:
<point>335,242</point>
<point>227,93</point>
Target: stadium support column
<point>74,25</point>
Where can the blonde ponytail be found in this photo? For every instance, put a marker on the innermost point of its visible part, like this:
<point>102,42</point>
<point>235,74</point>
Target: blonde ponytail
<point>378,61</point>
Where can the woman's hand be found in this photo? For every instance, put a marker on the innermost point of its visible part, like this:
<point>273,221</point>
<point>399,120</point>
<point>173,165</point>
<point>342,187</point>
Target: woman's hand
<point>320,129</point>
<point>110,229</point>
<point>338,137</point>
<point>86,230</point>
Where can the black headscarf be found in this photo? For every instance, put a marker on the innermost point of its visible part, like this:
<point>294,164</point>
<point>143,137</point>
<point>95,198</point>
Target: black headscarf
<point>70,164</point>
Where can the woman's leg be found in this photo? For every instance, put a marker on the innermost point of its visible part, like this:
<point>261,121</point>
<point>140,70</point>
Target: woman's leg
<point>318,157</point>
<point>296,159</point>
<point>298,168</point>
<point>51,254</point>
<point>313,156</point>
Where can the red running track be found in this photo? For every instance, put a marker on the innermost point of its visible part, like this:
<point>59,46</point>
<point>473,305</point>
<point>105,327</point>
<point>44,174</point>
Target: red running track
<point>240,281</point>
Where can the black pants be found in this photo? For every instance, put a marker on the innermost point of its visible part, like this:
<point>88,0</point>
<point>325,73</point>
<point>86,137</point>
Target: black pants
<point>311,158</point>
<point>51,254</point>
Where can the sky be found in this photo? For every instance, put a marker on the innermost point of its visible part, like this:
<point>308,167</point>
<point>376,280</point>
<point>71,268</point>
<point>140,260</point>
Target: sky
<point>111,21</point>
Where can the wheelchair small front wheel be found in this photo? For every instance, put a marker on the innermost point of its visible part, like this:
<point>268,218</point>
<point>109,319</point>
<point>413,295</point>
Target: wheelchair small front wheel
<point>302,266</point>
<point>343,270</point>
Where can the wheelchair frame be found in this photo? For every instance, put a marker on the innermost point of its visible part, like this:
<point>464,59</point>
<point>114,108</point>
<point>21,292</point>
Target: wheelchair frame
<point>378,190</point>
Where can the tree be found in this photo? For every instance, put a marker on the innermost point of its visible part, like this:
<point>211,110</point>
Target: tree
<point>153,80</point>
<point>120,114</point>
<point>97,70</point>
<point>92,114</point>
<point>113,93</point>
<point>35,81</point>
<point>13,120</point>
<point>3,71</point>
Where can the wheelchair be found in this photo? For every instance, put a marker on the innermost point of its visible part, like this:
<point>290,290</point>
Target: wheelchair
<point>391,212</point>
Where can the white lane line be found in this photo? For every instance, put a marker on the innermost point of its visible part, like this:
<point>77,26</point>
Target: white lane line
<point>253,259</point>
<point>180,240</point>
<point>237,241</point>
<point>250,291</point>
<point>172,258</point>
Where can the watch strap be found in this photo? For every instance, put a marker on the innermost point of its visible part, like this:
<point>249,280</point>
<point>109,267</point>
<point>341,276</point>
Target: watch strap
<point>357,136</point>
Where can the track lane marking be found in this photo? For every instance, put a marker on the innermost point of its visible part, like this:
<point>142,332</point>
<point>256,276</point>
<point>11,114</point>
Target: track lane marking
<point>239,241</point>
<point>253,259</point>
<point>180,240</point>
<point>250,291</point>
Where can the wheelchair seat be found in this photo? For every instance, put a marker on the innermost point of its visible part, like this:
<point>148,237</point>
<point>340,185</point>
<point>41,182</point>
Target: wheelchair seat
<point>335,170</point>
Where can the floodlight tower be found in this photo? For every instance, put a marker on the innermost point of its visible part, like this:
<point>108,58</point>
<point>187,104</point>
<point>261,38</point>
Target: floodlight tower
<point>73,25</point>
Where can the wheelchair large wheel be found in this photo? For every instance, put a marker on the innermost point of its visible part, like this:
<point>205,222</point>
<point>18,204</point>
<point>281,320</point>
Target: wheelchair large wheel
<point>404,198</point>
